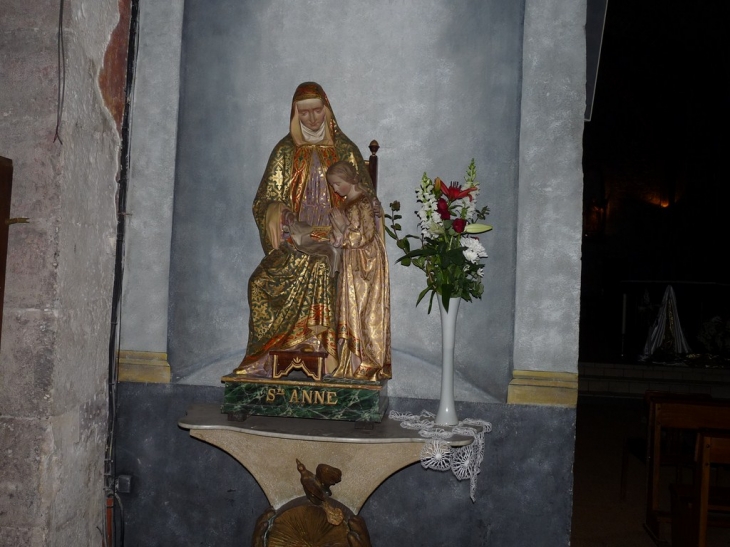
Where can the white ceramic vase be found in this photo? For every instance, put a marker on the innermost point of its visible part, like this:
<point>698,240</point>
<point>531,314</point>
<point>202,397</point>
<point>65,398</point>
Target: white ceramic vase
<point>446,414</point>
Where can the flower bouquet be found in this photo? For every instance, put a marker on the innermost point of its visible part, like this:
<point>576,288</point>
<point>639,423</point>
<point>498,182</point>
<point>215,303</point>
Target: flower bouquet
<point>449,253</point>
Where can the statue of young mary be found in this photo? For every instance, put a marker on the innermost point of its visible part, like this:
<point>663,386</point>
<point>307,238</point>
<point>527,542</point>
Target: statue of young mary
<point>291,293</point>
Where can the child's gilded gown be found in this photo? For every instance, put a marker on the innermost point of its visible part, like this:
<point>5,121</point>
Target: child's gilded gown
<point>363,297</point>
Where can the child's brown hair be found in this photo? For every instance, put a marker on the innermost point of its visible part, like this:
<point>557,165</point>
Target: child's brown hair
<point>345,170</point>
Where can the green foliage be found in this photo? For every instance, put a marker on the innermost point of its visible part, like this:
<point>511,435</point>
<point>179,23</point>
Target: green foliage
<point>447,227</point>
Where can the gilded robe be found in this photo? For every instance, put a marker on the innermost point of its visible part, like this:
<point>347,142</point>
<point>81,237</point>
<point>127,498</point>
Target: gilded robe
<point>291,294</point>
<point>363,297</point>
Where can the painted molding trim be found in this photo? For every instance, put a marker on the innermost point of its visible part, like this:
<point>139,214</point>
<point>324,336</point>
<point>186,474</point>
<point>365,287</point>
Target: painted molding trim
<point>143,366</point>
<point>540,387</point>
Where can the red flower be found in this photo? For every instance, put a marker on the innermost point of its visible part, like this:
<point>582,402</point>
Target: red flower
<point>458,225</point>
<point>443,209</point>
<point>454,191</point>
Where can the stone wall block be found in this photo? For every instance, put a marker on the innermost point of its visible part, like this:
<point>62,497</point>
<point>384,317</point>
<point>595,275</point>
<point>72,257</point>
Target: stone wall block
<point>87,345</point>
<point>86,253</point>
<point>85,447</point>
<point>32,266</point>
<point>30,71</point>
<point>22,445</point>
<point>36,15</point>
<point>28,111</point>
<point>27,362</point>
<point>27,537</point>
<point>60,272</point>
<point>36,166</point>
<point>86,263</point>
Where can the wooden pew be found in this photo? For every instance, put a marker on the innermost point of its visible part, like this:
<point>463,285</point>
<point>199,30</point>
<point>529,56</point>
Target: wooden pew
<point>675,413</point>
<point>674,449</point>
<point>691,504</point>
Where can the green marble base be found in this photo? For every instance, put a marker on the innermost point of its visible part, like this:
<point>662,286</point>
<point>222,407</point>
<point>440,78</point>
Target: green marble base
<point>328,399</point>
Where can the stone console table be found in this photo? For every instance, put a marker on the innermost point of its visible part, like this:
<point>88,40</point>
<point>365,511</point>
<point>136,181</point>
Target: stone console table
<point>268,448</point>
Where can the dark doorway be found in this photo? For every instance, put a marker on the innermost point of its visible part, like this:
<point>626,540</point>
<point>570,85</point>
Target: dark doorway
<point>655,180</point>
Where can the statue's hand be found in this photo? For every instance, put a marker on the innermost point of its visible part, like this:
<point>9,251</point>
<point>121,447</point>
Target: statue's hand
<point>288,217</point>
<point>339,220</point>
<point>336,238</point>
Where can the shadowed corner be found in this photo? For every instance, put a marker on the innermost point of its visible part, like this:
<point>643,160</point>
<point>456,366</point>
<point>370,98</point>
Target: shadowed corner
<point>416,378</point>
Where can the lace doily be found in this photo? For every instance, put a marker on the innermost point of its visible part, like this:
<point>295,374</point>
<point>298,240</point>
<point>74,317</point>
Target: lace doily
<point>464,461</point>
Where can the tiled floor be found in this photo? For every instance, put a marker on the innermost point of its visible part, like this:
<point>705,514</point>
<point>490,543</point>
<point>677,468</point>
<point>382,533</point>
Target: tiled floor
<point>600,518</point>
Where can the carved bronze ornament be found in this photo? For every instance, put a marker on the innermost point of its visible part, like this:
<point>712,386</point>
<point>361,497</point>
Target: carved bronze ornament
<point>313,520</point>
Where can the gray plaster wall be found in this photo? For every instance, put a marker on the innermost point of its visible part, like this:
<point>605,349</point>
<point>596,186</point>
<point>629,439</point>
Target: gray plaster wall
<point>153,144</point>
<point>549,223</point>
<point>186,492</point>
<point>437,83</point>
<point>53,360</point>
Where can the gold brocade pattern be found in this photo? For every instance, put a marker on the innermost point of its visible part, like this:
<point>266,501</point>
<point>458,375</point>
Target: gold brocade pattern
<point>363,303</point>
<point>292,294</point>
<point>302,168</point>
<point>291,298</point>
<point>276,186</point>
